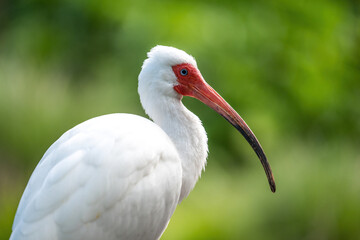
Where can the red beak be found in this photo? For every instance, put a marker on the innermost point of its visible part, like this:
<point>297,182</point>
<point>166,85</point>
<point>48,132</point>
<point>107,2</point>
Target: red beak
<point>195,86</point>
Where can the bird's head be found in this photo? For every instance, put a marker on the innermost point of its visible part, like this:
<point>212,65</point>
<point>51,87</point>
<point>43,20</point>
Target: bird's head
<point>173,73</point>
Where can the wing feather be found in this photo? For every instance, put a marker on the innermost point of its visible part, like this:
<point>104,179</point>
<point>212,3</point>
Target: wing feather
<point>104,176</point>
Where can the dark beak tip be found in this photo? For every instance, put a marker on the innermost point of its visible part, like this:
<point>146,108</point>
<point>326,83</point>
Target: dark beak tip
<point>272,185</point>
<point>273,188</point>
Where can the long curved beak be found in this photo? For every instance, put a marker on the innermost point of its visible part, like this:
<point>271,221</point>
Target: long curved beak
<point>206,94</point>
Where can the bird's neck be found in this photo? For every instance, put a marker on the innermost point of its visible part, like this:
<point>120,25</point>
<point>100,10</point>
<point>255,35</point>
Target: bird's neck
<point>189,137</point>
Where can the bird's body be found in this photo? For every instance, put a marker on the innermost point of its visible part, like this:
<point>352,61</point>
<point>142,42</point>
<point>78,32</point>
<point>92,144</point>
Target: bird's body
<point>121,176</point>
<point>86,188</point>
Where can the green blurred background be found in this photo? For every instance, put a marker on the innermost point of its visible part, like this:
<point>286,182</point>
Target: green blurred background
<point>290,68</point>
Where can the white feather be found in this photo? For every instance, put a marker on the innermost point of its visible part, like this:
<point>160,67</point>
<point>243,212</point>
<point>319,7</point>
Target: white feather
<point>121,196</point>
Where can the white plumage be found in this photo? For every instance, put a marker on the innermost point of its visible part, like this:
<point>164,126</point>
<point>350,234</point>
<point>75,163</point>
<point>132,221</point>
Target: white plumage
<point>121,176</point>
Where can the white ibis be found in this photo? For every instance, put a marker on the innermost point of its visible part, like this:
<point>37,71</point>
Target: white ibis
<point>121,176</point>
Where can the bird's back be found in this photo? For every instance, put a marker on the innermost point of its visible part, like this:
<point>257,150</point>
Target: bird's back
<point>116,176</point>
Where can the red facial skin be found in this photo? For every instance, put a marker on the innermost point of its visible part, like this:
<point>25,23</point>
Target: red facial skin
<point>187,83</point>
<point>193,85</point>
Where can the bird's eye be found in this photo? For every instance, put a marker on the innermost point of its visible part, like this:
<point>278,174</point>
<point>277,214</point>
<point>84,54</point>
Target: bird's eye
<point>184,72</point>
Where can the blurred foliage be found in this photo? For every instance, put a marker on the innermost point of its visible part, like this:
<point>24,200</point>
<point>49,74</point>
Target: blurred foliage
<point>290,68</point>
